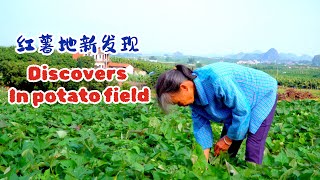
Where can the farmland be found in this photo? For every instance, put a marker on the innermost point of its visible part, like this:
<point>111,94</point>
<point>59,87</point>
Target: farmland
<point>305,77</point>
<point>138,141</point>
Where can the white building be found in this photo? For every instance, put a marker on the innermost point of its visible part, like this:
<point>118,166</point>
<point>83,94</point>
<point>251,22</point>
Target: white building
<point>101,59</point>
<point>248,62</point>
<point>129,68</point>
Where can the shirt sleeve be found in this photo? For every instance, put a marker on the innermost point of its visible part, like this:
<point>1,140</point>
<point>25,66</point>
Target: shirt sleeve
<point>234,98</point>
<point>202,130</point>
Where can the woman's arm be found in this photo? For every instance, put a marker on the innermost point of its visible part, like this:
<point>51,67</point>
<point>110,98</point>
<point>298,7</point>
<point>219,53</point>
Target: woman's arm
<point>206,153</point>
<point>234,98</point>
<point>202,131</point>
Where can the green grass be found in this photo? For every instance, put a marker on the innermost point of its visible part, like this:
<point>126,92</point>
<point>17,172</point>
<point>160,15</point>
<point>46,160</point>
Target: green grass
<point>137,141</point>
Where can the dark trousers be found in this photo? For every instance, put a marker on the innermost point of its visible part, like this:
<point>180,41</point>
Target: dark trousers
<point>255,142</point>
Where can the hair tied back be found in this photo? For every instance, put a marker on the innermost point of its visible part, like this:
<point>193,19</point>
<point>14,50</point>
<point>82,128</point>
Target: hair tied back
<point>185,71</point>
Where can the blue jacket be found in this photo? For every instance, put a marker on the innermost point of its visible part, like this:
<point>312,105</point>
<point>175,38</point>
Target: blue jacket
<point>238,96</point>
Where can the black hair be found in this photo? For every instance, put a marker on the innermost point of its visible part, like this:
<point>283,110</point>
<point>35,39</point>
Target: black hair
<point>169,82</point>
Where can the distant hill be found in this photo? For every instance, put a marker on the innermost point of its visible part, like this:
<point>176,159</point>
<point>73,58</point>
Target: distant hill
<point>177,54</point>
<point>293,57</point>
<point>316,60</point>
<point>269,56</point>
<point>252,56</point>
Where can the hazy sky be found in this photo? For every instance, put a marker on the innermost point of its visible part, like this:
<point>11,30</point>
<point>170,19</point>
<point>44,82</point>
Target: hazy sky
<point>195,27</point>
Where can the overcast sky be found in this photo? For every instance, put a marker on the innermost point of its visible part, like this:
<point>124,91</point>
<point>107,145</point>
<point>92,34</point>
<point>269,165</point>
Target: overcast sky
<point>196,27</point>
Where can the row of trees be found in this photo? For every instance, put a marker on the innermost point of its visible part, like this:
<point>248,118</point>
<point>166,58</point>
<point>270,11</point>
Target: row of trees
<point>154,69</point>
<point>13,68</point>
<point>316,60</point>
<point>299,83</point>
<point>13,71</point>
<point>303,77</point>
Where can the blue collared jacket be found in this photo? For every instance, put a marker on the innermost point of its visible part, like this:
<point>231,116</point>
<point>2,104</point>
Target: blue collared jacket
<point>238,96</point>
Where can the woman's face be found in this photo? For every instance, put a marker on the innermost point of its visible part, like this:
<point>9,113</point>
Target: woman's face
<point>185,96</point>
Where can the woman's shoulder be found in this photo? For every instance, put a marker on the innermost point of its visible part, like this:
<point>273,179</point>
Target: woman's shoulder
<point>215,71</point>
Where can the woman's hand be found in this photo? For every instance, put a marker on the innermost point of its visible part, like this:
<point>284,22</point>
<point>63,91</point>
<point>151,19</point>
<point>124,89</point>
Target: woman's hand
<point>222,145</point>
<point>206,153</point>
